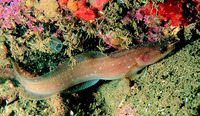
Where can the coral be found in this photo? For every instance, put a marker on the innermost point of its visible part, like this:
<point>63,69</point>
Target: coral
<point>81,10</point>
<point>160,19</point>
<point>11,14</point>
<point>49,7</point>
<point>114,39</point>
<point>63,2</point>
<point>84,12</point>
<point>98,4</point>
<point>170,10</point>
<point>41,34</point>
<point>128,17</point>
<point>72,5</point>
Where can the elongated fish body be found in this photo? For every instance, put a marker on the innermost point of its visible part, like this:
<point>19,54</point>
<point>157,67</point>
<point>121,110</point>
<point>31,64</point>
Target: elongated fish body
<point>90,66</point>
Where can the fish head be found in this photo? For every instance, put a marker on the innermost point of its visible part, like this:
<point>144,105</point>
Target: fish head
<point>154,53</point>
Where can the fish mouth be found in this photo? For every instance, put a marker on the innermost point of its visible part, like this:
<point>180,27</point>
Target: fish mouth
<point>168,47</point>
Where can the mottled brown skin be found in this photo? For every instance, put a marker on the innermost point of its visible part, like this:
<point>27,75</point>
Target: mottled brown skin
<point>115,66</point>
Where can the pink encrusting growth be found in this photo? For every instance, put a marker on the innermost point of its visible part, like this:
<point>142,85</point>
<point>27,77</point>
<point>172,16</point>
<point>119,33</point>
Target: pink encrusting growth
<point>90,66</point>
<point>14,12</point>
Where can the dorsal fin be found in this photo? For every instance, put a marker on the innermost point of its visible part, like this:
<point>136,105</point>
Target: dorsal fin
<point>89,55</point>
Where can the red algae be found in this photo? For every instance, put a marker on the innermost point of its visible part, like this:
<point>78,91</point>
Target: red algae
<point>84,12</point>
<point>72,5</point>
<point>98,4</point>
<point>170,10</point>
<point>62,2</point>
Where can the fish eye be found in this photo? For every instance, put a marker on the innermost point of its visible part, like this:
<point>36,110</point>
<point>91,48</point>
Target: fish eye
<point>163,49</point>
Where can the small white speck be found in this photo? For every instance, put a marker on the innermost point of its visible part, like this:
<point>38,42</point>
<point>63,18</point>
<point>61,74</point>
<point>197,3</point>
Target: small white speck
<point>186,100</point>
<point>129,66</point>
<point>71,113</point>
<point>162,110</point>
<point>99,68</point>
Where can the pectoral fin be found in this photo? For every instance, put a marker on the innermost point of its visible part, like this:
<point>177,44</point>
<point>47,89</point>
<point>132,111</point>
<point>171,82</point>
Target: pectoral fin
<point>81,86</point>
<point>133,72</point>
